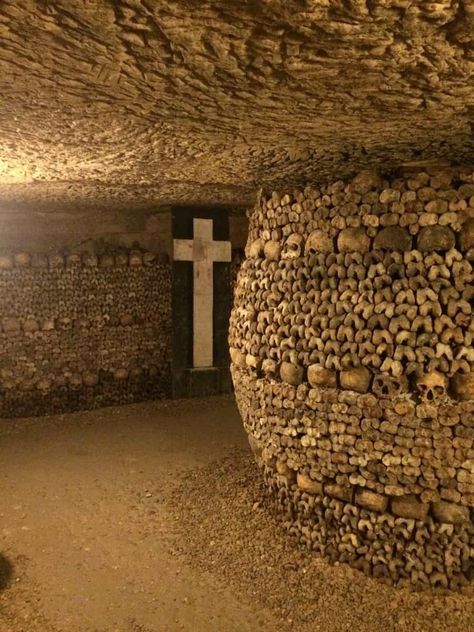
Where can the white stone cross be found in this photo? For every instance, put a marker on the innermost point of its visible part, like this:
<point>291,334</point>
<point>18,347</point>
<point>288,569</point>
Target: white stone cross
<point>202,251</point>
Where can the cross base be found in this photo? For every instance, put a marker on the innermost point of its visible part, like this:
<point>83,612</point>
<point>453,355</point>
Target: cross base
<point>201,382</point>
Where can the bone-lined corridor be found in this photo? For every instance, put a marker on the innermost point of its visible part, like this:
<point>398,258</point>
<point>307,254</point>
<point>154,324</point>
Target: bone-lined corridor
<point>236,315</point>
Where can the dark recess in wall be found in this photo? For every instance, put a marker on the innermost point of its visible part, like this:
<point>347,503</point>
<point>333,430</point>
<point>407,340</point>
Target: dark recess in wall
<point>189,382</point>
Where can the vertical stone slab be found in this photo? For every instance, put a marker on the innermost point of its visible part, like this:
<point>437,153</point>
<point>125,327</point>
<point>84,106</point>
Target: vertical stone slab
<point>190,380</point>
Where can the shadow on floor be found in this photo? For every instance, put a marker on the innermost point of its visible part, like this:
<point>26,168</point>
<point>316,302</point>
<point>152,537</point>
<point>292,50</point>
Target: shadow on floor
<point>6,572</point>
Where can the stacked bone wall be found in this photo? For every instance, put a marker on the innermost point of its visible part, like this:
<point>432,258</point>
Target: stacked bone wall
<point>352,360</point>
<point>82,331</point>
<point>235,265</point>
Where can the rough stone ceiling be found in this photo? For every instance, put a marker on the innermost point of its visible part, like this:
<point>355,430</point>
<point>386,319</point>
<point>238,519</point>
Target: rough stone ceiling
<point>130,103</point>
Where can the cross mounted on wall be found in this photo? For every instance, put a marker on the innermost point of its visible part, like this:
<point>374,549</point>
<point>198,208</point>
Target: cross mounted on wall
<point>202,251</point>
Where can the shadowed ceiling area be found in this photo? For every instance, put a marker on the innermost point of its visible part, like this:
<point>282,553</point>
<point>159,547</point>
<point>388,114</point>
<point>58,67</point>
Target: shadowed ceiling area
<point>132,103</point>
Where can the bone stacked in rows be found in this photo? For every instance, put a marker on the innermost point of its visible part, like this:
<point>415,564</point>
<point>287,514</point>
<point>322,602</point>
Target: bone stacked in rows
<point>82,330</point>
<point>351,347</point>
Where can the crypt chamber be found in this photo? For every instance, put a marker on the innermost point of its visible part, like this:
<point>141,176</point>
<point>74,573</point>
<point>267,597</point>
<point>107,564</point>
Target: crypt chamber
<point>318,157</point>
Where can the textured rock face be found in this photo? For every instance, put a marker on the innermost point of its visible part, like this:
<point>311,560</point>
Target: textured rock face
<point>352,361</point>
<point>133,103</point>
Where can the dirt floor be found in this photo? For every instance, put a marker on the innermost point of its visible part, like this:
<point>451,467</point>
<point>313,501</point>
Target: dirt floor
<point>149,518</point>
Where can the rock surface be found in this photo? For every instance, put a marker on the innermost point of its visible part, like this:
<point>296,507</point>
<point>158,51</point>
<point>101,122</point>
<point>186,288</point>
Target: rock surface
<point>132,103</point>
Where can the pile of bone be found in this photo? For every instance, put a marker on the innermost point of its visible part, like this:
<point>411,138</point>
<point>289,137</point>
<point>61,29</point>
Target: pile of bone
<point>365,482</point>
<point>235,264</point>
<point>82,322</point>
<point>341,300</point>
<point>413,203</point>
<point>390,446</point>
<point>351,345</point>
<point>403,547</point>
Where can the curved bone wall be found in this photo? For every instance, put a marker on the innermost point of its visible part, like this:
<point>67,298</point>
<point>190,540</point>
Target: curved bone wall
<point>352,360</point>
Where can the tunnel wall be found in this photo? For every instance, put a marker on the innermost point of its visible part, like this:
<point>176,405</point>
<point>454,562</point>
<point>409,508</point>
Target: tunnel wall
<point>86,309</point>
<point>49,229</point>
<point>82,331</point>
<point>352,360</point>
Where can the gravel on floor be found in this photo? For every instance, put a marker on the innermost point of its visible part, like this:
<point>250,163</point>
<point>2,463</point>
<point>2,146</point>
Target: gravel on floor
<point>223,527</point>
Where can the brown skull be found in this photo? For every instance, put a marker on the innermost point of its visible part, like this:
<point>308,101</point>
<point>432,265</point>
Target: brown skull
<point>432,386</point>
<point>292,247</point>
<point>463,386</point>
<point>385,385</point>
<point>318,241</point>
<point>272,250</point>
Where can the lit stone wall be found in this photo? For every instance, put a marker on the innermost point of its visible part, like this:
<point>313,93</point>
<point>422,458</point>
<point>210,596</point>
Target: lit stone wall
<point>81,331</point>
<point>352,360</point>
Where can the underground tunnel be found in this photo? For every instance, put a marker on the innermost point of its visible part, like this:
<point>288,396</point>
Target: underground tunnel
<point>236,292</point>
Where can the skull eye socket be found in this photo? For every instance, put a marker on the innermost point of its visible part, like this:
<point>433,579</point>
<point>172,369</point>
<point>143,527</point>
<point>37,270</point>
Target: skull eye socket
<point>439,390</point>
<point>431,393</point>
<point>381,386</point>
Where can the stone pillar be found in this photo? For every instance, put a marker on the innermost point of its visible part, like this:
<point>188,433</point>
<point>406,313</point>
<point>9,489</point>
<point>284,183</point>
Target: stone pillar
<point>352,360</point>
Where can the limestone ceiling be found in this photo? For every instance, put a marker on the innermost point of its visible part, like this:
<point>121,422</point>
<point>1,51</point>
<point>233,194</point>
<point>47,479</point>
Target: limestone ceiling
<point>130,103</point>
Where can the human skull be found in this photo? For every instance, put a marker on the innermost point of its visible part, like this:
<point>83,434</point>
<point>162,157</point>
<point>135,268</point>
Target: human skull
<point>292,247</point>
<point>466,237</point>
<point>393,238</point>
<point>237,357</point>
<point>366,181</point>
<point>6,262</point>
<point>73,260</point>
<point>356,379</point>
<point>432,386</point>
<point>320,376</point>
<point>269,367</point>
<point>22,259</point>
<point>385,385</point>
<point>318,241</point>
<point>291,373</point>
<point>435,238</point>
